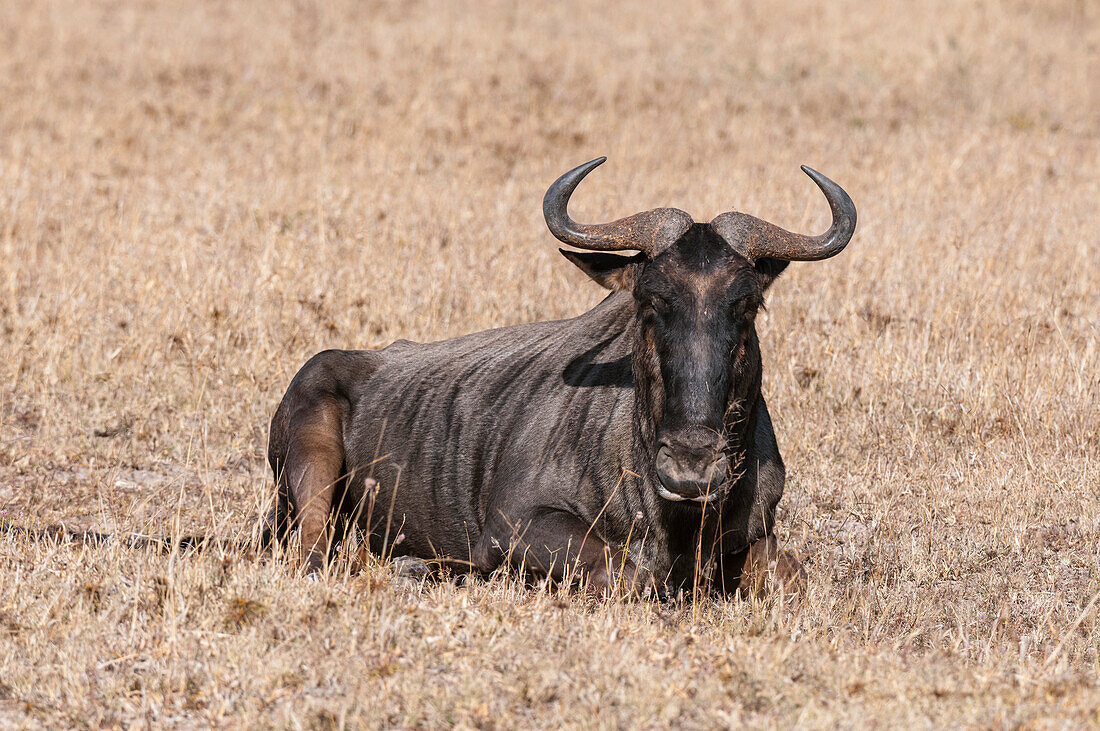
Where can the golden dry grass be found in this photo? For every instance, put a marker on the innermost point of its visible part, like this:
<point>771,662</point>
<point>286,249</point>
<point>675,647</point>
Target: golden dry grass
<point>194,198</point>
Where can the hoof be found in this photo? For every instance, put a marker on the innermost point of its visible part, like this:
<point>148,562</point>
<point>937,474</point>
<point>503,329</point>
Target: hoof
<point>314,565</point>
<point>769,569</point>
<point>411,569</point>
<point>628,581</point>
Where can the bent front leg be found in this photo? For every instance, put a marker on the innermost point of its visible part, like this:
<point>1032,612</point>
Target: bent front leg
<point>563,547</point>
<point>760,569</point>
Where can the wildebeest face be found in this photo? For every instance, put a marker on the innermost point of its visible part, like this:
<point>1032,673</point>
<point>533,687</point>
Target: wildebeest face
<point>697,288</point>
<point>696,304</point>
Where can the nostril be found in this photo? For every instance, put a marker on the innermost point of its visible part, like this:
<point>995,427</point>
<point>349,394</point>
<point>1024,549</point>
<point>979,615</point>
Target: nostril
<point>665,464</point>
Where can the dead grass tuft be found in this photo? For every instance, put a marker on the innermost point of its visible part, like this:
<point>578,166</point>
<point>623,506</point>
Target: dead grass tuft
<point>240,611</point>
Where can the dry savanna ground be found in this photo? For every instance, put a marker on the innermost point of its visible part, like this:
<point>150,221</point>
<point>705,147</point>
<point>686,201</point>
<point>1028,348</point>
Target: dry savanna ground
<point>195,197</point>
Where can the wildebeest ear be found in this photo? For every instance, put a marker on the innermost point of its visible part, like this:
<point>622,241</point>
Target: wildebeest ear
<point>768,269</point>
<point>613,271</point>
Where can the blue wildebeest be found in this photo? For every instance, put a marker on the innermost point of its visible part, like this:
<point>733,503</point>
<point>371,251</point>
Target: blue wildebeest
<point>630,445</point>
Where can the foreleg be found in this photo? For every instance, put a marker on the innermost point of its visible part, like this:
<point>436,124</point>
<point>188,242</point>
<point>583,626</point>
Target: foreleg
<point>563,547</point>
<point>760,569</point>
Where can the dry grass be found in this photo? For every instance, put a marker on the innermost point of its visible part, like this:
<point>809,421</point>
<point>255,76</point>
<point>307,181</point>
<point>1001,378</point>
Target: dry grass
<point>194,198</point>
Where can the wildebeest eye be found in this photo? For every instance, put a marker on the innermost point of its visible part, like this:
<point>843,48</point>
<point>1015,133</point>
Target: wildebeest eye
<point>659,304</point>
<point>744,308</point>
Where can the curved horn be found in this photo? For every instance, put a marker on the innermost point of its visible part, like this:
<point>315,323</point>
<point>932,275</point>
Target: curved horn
<point>756,239</point>
<point>650,231</point>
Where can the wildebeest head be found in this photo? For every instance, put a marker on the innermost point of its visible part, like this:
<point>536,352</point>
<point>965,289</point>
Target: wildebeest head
<point>697,288</point>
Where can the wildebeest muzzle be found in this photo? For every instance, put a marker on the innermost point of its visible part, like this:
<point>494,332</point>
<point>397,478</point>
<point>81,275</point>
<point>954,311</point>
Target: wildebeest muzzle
<point>691,465</point>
